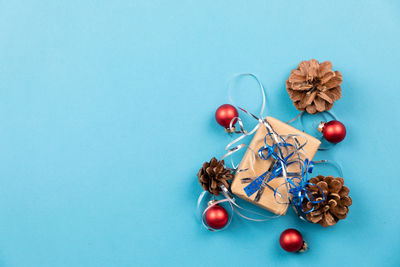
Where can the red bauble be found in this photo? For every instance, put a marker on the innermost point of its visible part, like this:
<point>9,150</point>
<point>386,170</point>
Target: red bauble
<point>333,131</point>
<point>216,217</point>
<point>291,240</point>
<point>225,114</point>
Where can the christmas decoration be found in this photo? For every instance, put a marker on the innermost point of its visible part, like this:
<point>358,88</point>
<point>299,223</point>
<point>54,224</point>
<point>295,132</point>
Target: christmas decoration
<point>213,175</point>
<point>226,114</point>
<point>334,198</point>
<point>291,240</point>
<point>314,86</point>
<point>216,217</point>
<point>333,131</point>
<point>274,171</point>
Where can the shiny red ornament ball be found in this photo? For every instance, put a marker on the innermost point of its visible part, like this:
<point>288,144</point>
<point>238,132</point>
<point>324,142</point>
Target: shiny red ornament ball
<point>291,240</point>
<point>225,114</point>
<point>333,131</point>
<point>216,217</point>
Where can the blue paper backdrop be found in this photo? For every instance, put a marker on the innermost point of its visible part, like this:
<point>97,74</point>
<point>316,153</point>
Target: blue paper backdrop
<point>106,114</point>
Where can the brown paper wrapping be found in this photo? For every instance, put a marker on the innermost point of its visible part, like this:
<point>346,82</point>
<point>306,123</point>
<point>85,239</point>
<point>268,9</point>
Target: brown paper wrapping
<point>267,200</point>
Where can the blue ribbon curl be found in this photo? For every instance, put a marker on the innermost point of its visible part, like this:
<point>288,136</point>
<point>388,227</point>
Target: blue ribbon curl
<point>297,184</point>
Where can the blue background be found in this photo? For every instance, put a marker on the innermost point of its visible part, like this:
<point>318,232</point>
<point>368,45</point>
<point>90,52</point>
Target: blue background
<point>106,114</point>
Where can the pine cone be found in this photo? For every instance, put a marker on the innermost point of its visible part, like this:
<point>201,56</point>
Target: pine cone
<point>336,204</point>
<point>314,87</point>
<point>212,175</point>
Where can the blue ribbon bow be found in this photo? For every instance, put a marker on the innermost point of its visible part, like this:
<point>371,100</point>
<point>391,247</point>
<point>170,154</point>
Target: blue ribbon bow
<point>298,189</point>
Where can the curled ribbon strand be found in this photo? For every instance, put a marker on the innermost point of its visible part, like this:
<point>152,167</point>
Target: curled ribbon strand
<point>233,208</point>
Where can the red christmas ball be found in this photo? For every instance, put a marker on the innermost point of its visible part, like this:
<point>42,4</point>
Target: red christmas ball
<point>291,240</point>
<point>216,217</point>
<point>334,131</point>
<point>225,114</point>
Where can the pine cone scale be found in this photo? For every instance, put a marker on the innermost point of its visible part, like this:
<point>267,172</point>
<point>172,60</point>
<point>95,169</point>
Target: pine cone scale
<point>314,219</point>
<point>326,78</point>
<point>296,96</point>
<point>296,77</point>
<point>328,220</point>
<point>334,93</point>
<point>319,104</point>
<point>335,186</point>
<point>334,196</point>
<point>302,86</point>
<point>324,68</point>
<point>344,191</point>
<point>346,201</point>
<point>325,97</point>
<point>311,109</point>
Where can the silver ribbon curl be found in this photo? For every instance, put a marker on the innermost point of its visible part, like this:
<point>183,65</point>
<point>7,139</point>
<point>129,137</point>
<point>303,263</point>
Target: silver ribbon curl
<point>233,208</point>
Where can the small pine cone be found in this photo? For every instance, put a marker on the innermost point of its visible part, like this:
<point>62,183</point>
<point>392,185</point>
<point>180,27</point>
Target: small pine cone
<point>336,204</point>
<point>212,175</point>
<point>314,86</point>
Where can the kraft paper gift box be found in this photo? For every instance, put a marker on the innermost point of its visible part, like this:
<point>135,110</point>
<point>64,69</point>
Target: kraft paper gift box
<point>267,199</point>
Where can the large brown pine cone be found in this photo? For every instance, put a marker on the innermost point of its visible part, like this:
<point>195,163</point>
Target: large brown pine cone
<point>212,175</point>
<point>336,204</point>
<point>314,87</point>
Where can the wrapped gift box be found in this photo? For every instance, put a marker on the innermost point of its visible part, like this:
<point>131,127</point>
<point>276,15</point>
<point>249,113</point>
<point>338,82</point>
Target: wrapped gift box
<point>260,166</point>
